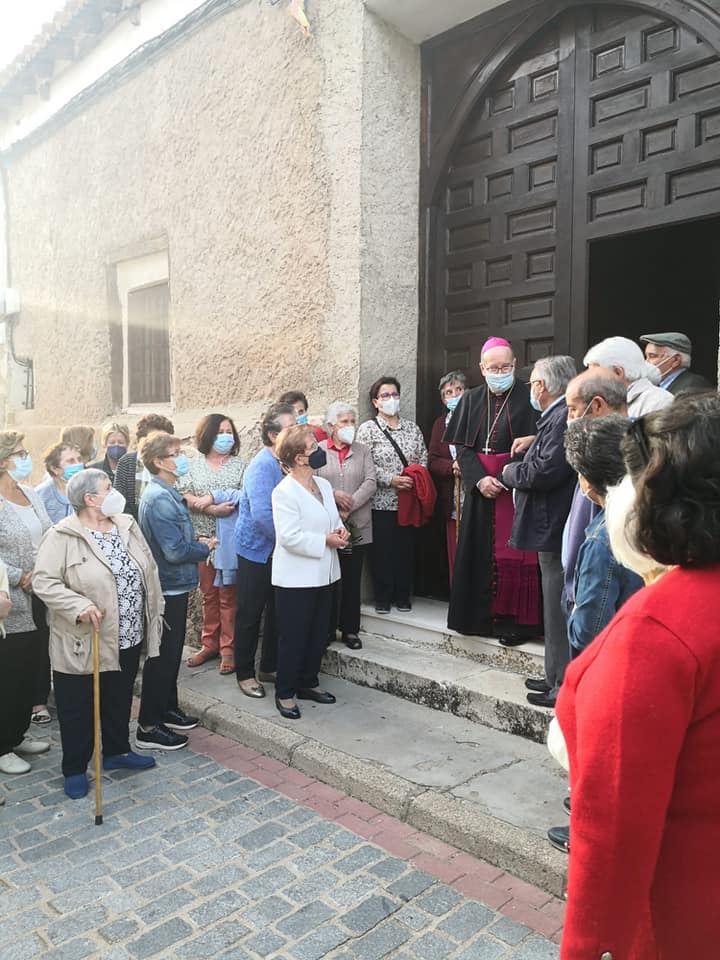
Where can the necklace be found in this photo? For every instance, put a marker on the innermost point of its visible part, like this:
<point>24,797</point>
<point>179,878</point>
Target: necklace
<point>486,449</point>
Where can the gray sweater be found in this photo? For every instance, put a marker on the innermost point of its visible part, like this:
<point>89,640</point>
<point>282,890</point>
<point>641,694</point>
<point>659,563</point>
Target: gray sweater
<point>17,551</point>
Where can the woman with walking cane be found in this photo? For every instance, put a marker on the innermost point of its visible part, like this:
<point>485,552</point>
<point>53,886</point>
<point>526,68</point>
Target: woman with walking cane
<point>95,572</point>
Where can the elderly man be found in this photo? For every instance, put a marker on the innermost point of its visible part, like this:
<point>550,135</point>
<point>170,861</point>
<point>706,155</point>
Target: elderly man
<point>625,360</point>
<point>543,483</point>
<point>494,588</point>
<point>671,354</point>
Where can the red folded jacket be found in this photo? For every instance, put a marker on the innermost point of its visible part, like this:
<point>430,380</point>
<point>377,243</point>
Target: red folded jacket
<point>415,507</point>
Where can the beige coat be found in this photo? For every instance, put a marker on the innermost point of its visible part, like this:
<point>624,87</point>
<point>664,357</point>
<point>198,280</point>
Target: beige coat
<point>71,573</point>
<point>356,475</point>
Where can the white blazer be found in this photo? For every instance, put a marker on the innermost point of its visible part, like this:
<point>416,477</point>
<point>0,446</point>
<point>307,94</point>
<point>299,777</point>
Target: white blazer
<point>302,558</point>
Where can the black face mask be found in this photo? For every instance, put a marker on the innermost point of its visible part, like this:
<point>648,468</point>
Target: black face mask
<point>317,459</point>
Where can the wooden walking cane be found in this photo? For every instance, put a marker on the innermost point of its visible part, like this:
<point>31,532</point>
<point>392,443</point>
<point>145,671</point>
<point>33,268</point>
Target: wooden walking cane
<point>96,725</point>
<point>457,509</point>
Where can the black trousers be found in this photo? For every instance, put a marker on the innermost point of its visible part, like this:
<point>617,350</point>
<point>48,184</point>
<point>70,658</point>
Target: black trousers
<point>18,656</point>
<point>303,614</point>
<point>41,669</point>
<point>74,700</point>
<point>159,684</point>
<point>345,613</point>
<point>393,558</point>
<point>255,594</point>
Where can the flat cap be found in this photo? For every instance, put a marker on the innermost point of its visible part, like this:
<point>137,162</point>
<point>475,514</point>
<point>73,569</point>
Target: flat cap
<point>676,341</point>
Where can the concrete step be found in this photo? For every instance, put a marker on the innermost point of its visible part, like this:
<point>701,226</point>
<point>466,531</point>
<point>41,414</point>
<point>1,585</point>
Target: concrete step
<point>443,681</point>
<point>426,626</point>
<point>479,789</point>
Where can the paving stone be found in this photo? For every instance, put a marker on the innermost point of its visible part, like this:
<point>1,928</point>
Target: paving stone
<point>368,914</point>
<point>509,931</point>
<point>484,948</point>
<point>411,884</point>
<point>219,907</point>
<point>433,946</point>
<point>119,930</point>
<point>72,950</point>
<point>439,899</point>
<point>269,855</point>
<point>44,851</point>
<point>536,948</point>
<point>164,882</point>
<point>212,940</point>
<point>171,902</point>
<point>305,919</point>
<point>82,921</point>
<point>159,938</point>
<point>228,876</point>
<point>412,916</point>
<point>265,943</point>
<point>352,891</point>
<point>466,921</point>
<point>307,888</point>
<point>265,912</point>
<point>262,836</point>
<point>358,859</point>
<point>319,943</point>
<point>315,833</point>
<point>23,949</point>
<point>380,941</point>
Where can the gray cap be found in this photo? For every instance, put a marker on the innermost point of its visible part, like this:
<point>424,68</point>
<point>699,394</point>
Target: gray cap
<point>676,341</point>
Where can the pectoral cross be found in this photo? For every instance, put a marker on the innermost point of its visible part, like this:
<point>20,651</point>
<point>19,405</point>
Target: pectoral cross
<point>486,449</point>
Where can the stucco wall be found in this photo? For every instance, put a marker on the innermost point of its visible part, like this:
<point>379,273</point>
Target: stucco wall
<point>283,173</point>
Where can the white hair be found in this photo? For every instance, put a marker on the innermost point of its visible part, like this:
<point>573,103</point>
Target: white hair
<point>338,409</point>
<point>82,483</point>
<point>621,524</point>
<point>556,372</point>
<point>623,353</point>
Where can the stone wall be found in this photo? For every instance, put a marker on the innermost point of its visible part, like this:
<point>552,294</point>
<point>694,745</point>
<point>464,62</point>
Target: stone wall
<point>283,173</point>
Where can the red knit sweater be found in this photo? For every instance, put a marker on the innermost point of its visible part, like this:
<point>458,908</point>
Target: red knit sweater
<point>640,711</point>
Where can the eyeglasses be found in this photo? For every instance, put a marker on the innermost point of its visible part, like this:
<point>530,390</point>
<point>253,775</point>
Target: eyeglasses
<point>531,383</point>
<point>506,368</point>
<point>20,454</point>
<point>389,396</point>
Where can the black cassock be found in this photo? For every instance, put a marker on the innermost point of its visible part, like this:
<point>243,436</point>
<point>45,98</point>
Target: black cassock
<point>475,576</point>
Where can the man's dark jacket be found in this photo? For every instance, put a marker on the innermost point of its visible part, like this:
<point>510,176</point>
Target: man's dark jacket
<point>689,382</point>
<point>544,484</point>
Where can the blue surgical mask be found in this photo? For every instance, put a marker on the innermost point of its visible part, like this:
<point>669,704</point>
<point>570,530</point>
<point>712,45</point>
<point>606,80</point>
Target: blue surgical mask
<point>116,450</point>
<point>500,382</point>
<point>224,442</point>
<point>301,419</point>
<point>71,470</point>
<point>534,402</point>
<point>23,468</point>
<point>182,465</point>
<point>452,402</point>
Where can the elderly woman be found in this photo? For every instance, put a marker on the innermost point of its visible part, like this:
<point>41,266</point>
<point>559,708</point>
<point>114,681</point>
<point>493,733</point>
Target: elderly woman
<point>131,477</point>
<point>25,676</point>
<point>82,437</point>
<point>350,471</point>
<point>115,440</point>
<point>62,463</point>
<point>309,533</point>
<point>95,570</point>
<point>165,522</point>
<point>640,713</point>
<point>442,461</point>
<point>216,467</point>
<point>394,444</point>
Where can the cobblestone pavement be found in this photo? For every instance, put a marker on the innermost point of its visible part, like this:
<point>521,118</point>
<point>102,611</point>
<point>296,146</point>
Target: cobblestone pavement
<point>201,858</point>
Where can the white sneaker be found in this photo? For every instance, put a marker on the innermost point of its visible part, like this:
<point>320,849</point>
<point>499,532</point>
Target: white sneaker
<point>11,763</point>
<point>31,746</point>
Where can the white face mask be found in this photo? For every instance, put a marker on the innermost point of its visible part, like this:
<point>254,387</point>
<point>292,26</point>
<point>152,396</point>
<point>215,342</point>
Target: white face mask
<point>113,503</point>
<point>346,435</point>
<point>391,407</point>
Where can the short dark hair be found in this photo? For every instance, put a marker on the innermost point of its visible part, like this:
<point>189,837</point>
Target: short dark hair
<point>294,396</point>
<point>51,457</point>
<point>592,448</point>
<point>375,388</point>
<point>270,423</point>
<point>151,422</point>
<point>207,430</point>
<point>672,457</point>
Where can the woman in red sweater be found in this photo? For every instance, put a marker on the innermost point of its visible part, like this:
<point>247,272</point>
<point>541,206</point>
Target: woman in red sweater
<point>640,712</point>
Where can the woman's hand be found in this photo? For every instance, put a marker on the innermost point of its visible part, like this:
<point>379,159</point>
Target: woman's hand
<point>338,538</point>
<point>343,500</point>
<point>220,509</point>
<point>211,542</point>
<point>92,615</point>
<point>5,605</point>
<point>26,582</point>
<point>402,483</point>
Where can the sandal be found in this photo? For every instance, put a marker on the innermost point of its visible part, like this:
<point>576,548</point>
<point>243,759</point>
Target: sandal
<point>201,657</point>
<point>41,717</point>
<point>227,667</point>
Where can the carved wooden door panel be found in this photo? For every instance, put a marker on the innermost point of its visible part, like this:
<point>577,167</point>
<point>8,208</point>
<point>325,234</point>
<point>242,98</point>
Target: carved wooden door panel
<point>502,214</point>
<point>647,132</point>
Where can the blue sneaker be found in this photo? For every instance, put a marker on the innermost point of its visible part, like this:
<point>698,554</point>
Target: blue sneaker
<point>128,761</point>
<point>76,787</point>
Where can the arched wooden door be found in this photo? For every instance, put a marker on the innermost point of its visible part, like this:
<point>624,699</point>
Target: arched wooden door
<point>607,121</point>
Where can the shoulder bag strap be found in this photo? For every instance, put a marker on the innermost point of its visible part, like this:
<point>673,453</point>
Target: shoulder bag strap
<point>389,438</point>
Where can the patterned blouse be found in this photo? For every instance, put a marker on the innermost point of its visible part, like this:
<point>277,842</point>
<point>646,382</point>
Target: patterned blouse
<point>201,479</point>
<point>130,589</point>
<point>387,463</point>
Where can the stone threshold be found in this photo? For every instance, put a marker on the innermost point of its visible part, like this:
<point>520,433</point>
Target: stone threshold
<point>459,794</point>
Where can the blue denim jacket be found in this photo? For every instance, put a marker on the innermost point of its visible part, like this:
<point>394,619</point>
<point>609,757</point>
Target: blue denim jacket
<point>165,521</point>
<point>602,586</point>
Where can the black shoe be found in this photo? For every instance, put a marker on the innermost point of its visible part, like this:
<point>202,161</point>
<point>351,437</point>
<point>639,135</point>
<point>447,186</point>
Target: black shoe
<point>512,640</point>
<point>403,606</point>
<point>290,713</point>
<point>352,640</point>
<point>559,837</point>
<point>537,686</point>
<point>382,608</point>
<point>541,700</point>
<point>566,805</point>
<point>159,738</point>
<point>319,696</point>
<point>264,677</point>
<point>180,721</point>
